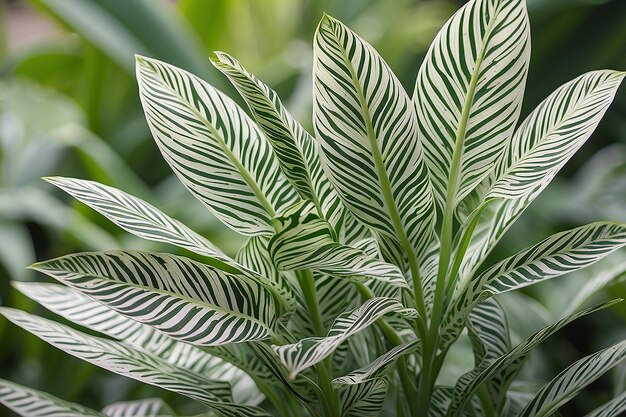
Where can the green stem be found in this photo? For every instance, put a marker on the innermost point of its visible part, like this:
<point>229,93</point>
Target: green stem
<point>485,401</point>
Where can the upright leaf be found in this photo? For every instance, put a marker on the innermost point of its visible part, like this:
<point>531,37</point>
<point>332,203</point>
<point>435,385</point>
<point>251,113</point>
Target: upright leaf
<point>365,399</point>
<point>214,148</point>
<point>367,130</point>
<point>613,408</point>
<point>571,381</point>
<point>28,402</point>
<point>469,92</point>
<point>295,148</point>
<point>185,299</point>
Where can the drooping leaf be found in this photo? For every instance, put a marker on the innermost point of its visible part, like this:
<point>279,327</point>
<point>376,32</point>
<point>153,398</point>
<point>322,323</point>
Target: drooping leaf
<point>185,299</point>
<point>84,311</point>
<point>28,402</point>
<point>469,383</point>
<point>295,148</point>
<point>146,221</point>
<point>365,399</point>
<point>150,407</point>
<point>572,380</point>
<point>469,92</point>
<point>367,130</point>
<point>214,148</point>
<point>555,256</point>
<point>377,367</point>
<point>308,242</point>
<point>308,352</point>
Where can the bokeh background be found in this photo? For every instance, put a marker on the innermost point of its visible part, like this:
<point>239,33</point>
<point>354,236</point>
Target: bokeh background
<point>69,106</point>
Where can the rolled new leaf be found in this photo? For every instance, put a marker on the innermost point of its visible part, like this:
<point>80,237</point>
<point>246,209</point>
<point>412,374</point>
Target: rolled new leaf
<point>469,92</point>
<point>555,256</point>
<point>308,352</point>
<point>32,403</point>
<point>184,299</point>
<point>367,131</point>
<point>214,148</point>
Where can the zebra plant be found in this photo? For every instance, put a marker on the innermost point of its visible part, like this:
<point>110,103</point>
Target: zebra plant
<point>363,264</point>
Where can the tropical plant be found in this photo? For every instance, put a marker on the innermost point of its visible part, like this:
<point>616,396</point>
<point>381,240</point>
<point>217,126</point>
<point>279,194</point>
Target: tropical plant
<point>363,265</point>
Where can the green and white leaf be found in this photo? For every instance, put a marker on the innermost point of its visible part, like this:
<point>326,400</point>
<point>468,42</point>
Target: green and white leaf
<point>214,148</point>
<point>469,92</point>
<point>125,360</point>
<point>572,380</point>
<point>28,402</point>
<point>310,351</point>
<point>555,256</point>
<point>295,149</point>
<point>379,366</point>
<point>150,407</point>
<point>308,242</point>
<point>365,399</point>
<point>184,299</point>
<point>467,385</point>
<point>367,132</point>
<point>614,408</point>
<point>545,141</point>
<point>82,310</point>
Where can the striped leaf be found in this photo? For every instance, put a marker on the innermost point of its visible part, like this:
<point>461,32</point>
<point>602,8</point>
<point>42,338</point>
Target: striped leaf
<point>365,399</point>
<point>309,242</point>
<point>614,408</point>
<point>379,366</point>
<point>367,130</point>
<point>295,149</point>
<point>555,256</point>
<point>254,256</point>
<point>82,310</point>
<point>469,91</point>
<point>28,402</point>
<point>540,147</point>
<point>572,380</point>
<point>553,132</point>
<point>124,360</point>
<point>185,299</point>
<point>467,385</point>
<point>146,221</point>
<point>150,407</point>
<point>308,352</point>
<point>214,148</point>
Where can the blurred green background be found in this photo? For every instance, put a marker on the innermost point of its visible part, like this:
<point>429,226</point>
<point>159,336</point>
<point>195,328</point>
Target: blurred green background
<point>69,106</point>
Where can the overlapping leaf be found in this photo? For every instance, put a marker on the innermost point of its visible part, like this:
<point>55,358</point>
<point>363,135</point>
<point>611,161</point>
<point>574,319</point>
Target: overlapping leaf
<point>295,148</point>
<point>308,242</point>
<point>82,310</point>
<point>557,255</point>
<point>32,403</point>
<point>377,367</point>
<point>367,130</point>
<point>576,377</point>
<point>540,147</point>
<point>469,92</point>
<point>185,299</point>
<point>214,148</point>
<point>308,352</point>
<point>469,383</point>
<point>365,399</point>
<point>613,408</point>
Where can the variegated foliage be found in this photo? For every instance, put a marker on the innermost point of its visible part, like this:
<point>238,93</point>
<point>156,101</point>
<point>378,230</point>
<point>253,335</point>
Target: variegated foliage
<point>359,272</point>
